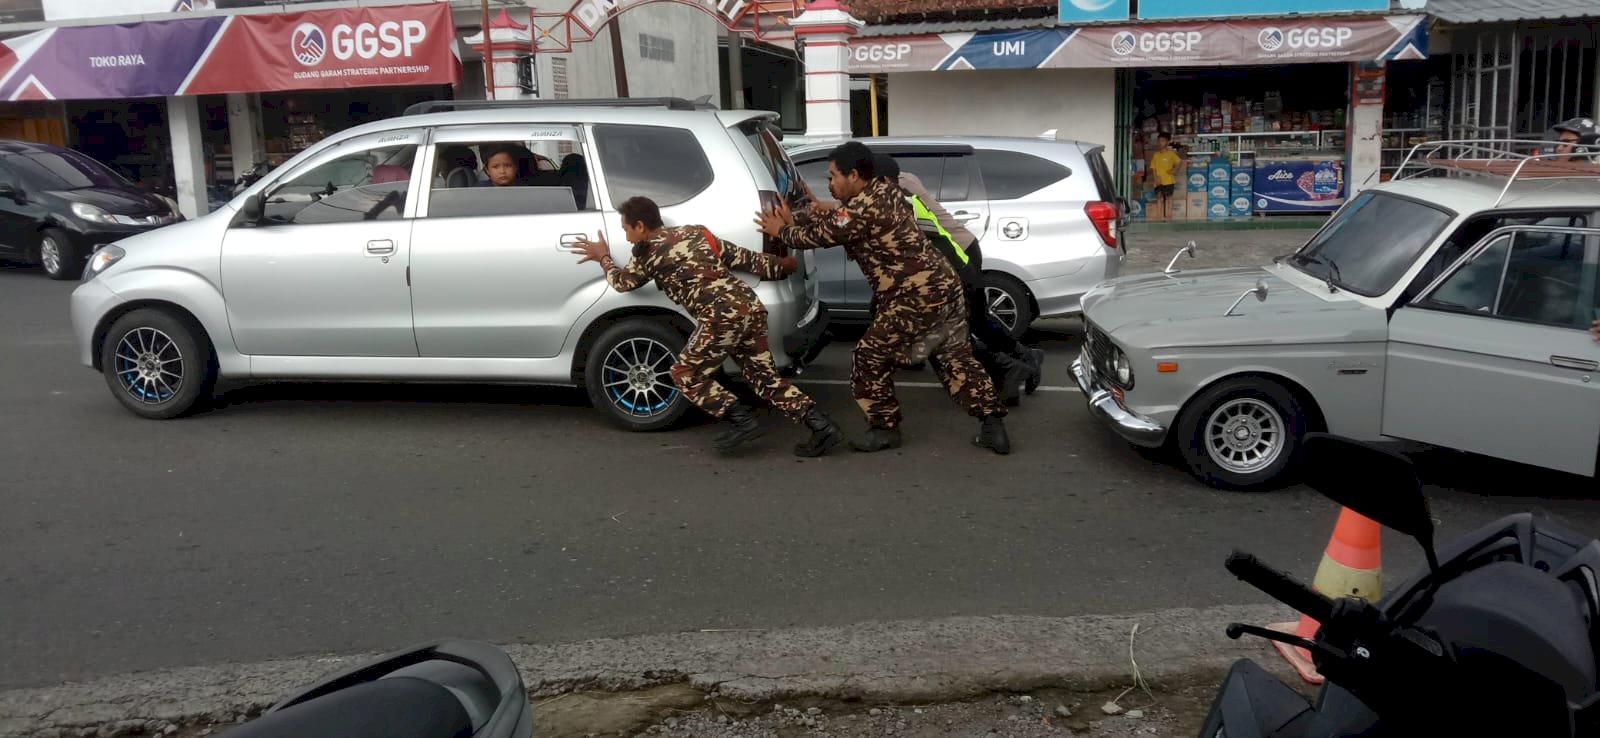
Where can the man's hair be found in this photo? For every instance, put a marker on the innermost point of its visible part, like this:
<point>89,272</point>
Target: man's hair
<point>637,210</point>
<point>853,156</point>
<point>884,165</point>
<point>1165,135</point>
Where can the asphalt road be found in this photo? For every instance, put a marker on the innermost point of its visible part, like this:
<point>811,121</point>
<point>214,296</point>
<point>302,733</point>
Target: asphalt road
<point>304,519</point>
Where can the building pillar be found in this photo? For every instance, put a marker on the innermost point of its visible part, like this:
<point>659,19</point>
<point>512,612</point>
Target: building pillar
<point>1364,129</point>
<point>825,30</point>
<point>245,137</point>
<point>510,40</point>
<point>188,157</point>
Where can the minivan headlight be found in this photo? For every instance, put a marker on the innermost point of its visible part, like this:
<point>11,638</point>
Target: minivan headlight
<point>92,213</point>
<point>102,260</point>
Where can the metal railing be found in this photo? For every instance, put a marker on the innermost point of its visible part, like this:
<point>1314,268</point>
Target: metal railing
<point>1513,159</point>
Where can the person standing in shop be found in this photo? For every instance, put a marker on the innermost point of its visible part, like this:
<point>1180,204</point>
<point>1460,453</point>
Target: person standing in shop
<point>1165,165</point>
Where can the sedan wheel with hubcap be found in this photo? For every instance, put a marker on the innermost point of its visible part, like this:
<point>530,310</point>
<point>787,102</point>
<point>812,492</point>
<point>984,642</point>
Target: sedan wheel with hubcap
<point>1241,434</point>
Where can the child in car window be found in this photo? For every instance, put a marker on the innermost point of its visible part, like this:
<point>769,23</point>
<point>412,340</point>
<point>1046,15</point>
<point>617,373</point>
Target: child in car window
<point>507,165</point>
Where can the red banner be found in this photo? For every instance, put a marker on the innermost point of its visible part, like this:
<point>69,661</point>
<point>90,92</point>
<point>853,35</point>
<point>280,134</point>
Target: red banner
<point>331,49</point>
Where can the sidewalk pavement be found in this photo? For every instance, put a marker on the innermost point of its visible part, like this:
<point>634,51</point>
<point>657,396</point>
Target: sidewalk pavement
<point>1151,246</point>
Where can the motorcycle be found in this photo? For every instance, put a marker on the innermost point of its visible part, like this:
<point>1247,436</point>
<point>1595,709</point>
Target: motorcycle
<point>448,689</point>
<point>1496,637</point>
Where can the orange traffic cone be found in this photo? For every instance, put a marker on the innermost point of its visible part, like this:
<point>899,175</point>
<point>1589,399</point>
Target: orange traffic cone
<point>1351,566</point>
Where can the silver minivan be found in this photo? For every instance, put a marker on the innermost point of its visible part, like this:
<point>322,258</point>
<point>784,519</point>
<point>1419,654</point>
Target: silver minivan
<point>1045,211</point>
<point>381,253</point>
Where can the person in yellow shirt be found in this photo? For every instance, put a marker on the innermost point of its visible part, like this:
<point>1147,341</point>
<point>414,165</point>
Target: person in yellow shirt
<point>1164,166</point>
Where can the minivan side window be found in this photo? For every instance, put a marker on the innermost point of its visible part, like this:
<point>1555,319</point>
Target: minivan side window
<point>664,164</point>
<point>367,184</point>
<point>539,177</point>
<point>1009,175</point>
<point>928,168</point>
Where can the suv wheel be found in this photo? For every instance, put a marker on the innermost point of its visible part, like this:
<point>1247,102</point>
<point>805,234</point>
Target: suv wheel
<point>1242,434</point>
<point>629,375</point>
<point>157,365</point>
<point>1007,301</point>
<point>58,256</point>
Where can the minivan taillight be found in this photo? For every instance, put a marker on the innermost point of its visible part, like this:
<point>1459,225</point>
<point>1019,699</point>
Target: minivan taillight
<point>770,245</point>
<point>1104,215</point>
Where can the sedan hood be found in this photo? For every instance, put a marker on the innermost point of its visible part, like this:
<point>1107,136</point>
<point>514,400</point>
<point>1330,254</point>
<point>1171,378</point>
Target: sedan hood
<point>1187,309</point>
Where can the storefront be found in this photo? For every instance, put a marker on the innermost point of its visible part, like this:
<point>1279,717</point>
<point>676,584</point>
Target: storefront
<point>172,103</point>
<point>1277,98</point>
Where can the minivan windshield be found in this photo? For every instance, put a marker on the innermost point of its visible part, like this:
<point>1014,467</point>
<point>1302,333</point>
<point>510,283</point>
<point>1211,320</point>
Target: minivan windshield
<point>1370,243</point>
<point>55,171</point>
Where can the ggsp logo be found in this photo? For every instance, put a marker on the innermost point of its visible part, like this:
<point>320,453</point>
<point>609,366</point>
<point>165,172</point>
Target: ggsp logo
<point>881,52</point>
<point>388,39</point>
<point>1126,42</point>
<point>1320,37</point>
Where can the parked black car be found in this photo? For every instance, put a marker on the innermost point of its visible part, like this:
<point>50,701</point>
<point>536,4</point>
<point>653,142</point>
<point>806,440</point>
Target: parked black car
<point>58,205</point>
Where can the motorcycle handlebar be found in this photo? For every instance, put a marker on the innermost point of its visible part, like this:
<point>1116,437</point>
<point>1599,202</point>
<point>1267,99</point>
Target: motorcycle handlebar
<point>1280,586</point>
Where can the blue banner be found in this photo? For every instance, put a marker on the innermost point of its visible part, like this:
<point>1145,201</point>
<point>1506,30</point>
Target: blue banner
<point>1088,11</point>
<point>1152,9</point>
<point>1007,49</point>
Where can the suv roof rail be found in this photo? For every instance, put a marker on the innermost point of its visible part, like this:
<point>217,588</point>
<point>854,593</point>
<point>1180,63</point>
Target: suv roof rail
<point>670,103</point>
<point>1514,159</point>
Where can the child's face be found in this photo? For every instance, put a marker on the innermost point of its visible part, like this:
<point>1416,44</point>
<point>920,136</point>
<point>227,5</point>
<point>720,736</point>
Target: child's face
<point>502,169</point>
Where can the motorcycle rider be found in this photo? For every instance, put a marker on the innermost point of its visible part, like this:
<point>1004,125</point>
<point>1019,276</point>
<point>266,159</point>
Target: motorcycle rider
<point>1579,138</point>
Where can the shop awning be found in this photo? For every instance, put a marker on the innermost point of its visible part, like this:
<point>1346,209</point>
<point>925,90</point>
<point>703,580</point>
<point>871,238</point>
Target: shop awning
<point>311,50</point>
<point>1185,44</point>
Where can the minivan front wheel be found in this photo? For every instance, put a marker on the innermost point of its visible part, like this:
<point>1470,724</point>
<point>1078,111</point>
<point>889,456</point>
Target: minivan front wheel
<point>57,256</point>
<point>1242,434</point>
<point>629,375</point>
<point>156,365</point>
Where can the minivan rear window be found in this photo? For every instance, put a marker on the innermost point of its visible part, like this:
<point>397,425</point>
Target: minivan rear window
<point>774,159</point>
<point>1009,175</point>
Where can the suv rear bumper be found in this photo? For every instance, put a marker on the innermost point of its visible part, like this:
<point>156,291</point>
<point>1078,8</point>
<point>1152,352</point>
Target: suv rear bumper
<point>1133,427</point>
<point>808,339</point>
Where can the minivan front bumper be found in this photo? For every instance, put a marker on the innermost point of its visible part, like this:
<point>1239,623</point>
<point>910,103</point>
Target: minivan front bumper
<point>1133,427</point>
<point>808,339</point>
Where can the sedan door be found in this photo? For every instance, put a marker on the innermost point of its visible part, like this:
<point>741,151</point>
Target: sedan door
<point>494,269</point>
<point>323,272</point>
<point>1496,358</point>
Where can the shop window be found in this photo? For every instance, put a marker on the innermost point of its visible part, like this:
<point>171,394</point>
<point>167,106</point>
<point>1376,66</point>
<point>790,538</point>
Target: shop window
<point>666,165</point>
<point>363,185</point>
<point>657,48</point>
<point>509,178</point>
<point>1009,175</point>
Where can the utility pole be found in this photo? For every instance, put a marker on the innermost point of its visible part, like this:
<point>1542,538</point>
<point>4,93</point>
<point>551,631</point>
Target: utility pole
<point>488,53</point>
<point>619,68</point>
<point>736,99</point>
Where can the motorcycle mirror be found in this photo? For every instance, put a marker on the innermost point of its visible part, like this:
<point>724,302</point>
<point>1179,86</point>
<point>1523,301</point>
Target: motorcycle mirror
<point>1373,481</point>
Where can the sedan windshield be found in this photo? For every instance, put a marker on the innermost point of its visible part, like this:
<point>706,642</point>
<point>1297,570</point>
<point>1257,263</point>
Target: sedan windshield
<point>63,170</point>
<point>1370,243</point>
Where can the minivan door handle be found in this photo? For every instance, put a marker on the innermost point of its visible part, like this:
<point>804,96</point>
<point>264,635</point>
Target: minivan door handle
<point>384,246</point>
<point>966,217</point>
<point>569,242</point>
<point>1567,362</point>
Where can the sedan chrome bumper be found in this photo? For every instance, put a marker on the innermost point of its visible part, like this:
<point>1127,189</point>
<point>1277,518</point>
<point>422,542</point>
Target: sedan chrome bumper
<point>1132,426</point>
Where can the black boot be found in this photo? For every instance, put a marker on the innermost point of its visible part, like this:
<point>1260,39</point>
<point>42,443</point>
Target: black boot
<point>745,428</point>
<point>825,434</point>
<point>992,435</point>
<point>1036,360</point>
<point>878,439</point>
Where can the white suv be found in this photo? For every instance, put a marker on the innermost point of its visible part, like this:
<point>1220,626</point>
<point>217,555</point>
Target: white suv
<point>1048,221</point>
<point>381,254</point>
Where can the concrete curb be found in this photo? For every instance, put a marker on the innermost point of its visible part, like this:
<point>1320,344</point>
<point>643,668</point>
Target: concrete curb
<point>890,662</point>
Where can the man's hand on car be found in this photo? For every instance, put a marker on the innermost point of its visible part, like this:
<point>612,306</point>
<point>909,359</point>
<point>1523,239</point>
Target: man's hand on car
<point>788,265</point>
<point>593,250</point>
<point>772,220</point>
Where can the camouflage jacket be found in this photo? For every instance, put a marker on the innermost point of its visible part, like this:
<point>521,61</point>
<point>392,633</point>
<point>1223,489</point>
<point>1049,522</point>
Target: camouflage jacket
<point>879,232</point>
<point>694,271</point>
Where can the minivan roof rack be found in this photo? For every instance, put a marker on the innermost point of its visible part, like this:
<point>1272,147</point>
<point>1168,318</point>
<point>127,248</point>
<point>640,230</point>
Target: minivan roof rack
<point>1514,159</point>
<point>670,103</point>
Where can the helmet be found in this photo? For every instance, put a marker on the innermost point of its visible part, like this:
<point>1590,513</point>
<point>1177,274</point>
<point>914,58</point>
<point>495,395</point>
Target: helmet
<point>1586,129</point>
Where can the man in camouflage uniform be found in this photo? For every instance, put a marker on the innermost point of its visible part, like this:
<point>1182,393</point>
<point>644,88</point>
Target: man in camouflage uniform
<point>919,309</point>
<point>693,268</point>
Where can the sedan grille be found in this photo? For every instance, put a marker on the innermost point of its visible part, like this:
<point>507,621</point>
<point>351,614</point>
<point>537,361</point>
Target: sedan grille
<point>1100,352</point>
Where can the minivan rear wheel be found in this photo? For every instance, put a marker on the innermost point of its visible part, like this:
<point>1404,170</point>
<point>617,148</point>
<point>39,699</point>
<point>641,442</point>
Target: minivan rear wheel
<point>629,375</point>
<point>157,366</point>
<point>1007,300</point>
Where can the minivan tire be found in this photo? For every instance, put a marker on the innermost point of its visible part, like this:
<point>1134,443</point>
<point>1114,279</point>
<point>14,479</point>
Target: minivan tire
<point>997,284</point>
<point>65,261</point>
<point>1245,419</point>
<point>657,344</point>
<point>138,356</point>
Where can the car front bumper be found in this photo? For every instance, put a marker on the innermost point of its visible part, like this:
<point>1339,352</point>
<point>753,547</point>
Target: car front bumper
<point>808,338</point>
<point>1133,427</point>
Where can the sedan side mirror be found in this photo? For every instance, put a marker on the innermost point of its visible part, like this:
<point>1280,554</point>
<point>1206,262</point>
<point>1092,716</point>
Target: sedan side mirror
<point>1260,291</point>
<point>249,212</point>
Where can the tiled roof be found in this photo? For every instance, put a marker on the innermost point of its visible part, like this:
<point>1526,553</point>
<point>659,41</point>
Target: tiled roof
<point>1490,11</point>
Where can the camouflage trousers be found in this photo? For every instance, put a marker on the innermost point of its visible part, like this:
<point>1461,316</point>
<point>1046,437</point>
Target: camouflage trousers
<point>740,334</point>
<point>907,329</point>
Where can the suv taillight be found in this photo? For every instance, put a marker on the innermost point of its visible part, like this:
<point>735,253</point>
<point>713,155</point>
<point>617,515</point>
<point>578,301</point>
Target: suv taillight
<point>1104,215</point>
<point>770,245</point>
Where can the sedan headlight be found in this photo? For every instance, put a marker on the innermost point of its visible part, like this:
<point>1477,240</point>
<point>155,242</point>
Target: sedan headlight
<point>102,260</point>
<point>92,213</point>
<point>1123,369</point>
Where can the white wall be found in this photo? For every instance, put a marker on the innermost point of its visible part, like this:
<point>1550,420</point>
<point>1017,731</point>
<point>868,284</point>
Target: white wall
<point>694,71</point>
<point>1078,103</point>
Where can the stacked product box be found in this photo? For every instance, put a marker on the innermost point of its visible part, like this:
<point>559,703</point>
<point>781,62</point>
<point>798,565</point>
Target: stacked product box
<point>1136,209</point>
<point>1219,189</point>
<point>1197,187</point>
<point>1241,193</point>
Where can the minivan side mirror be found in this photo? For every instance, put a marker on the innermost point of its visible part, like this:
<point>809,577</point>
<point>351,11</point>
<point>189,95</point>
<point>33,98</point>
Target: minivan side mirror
<point>249,212</point>
<point>1375,482</point>
<point>12,192</point>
